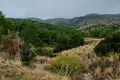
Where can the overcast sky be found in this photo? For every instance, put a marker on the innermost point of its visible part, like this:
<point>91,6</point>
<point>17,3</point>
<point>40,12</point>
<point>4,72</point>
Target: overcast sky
<point>45,9</point>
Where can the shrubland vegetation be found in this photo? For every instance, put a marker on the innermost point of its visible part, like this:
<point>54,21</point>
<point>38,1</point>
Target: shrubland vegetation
<point>44,39</point>
<point>66,65</point>
<point>47,35</point>
<point>110,44</point>
<point>100,31</point>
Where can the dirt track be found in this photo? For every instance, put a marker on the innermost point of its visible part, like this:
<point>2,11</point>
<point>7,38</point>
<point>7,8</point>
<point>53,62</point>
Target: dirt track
<point>83,50</point>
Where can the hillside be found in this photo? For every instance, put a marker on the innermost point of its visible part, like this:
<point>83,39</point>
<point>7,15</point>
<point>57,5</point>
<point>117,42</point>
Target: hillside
<point>92,19</point>
<point>12,70</point>
<point>37,50</point>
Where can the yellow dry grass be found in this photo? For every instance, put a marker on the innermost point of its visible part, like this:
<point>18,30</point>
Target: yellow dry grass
<point>82,50</point>
<point>13,70</point>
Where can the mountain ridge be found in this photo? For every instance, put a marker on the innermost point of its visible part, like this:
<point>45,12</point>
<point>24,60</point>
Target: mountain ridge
<point>87,20</point>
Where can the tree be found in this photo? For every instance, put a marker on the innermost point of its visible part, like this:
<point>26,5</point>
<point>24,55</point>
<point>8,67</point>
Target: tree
<point>29,31</point>
<point>2,18</point>
<point>28,54</point>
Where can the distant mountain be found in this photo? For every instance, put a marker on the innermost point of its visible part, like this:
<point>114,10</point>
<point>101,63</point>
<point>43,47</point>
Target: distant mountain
<point>83,21</point>
<point>92,19</point>
<point>87,20</point>
<point>55,20</point>
<point>59,22</point>
<point>35,19</point>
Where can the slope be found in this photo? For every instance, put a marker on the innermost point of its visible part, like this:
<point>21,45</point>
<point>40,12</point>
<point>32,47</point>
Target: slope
<point>14,70</point>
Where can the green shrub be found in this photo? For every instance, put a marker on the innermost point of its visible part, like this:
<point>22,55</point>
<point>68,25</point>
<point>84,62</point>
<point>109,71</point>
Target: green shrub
<point>47,51</point>
<point>66,65</point>
<point>28,54</point>
<point>110,44</point>
<point>102,49</point>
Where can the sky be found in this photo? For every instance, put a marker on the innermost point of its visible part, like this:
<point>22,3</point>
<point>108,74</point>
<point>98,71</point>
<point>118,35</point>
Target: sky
<point>45,9</point>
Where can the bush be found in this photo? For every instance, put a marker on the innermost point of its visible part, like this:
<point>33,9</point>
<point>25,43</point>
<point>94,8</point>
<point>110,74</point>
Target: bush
<point>110,44</point>
<point>47,51</point>
<point>28,54</point>
<point>102,49</point>
<point>65,65</point>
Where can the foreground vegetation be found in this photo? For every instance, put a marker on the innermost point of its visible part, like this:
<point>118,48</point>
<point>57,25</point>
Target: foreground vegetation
<point>62,50</point>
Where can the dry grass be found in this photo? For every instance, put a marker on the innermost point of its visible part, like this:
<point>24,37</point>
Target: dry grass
<point>84,53</point>
<point>10,70</point>
<point>82,50</point>
<point>13,70</point>
<point>109,68</point>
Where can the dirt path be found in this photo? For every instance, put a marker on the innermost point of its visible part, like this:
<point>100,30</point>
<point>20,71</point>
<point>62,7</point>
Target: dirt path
<point>83,50</point>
